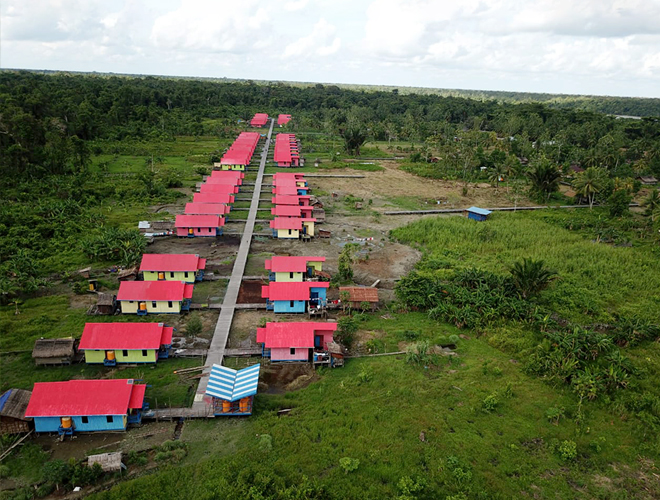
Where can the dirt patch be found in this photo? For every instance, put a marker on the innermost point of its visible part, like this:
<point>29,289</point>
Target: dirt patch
<point>250,292</point>
<point>393,182</point>
<point>82,301</point>
<point>215,250</point>
<point>286,377</point>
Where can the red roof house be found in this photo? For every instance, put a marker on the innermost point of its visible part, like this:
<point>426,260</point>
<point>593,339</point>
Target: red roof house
<point>206,209</point>
<point>143,297</point>
<point>295,341</point>
<point>302,201</point>
<point>294,297</point>
<point>224,198</point>
<point>112,343</point>
<point>85,405</point>
<point>283,119</point>
<point>291,211</point>
<point>173,267</point>
<point>218,188</point>
<point>259,120</point>
<point>199,225</point>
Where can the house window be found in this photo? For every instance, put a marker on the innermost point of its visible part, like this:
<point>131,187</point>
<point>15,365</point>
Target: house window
<point>292,351</point>
<point>124,353</point>
<point>291,303</point>
<point>84,420</point>
<point>169,303</point>
<point>171,274</point>
<point>210,230</point>
<point>144,352</point>
<point>153,304</point>
<point>290,275</point>
<point>185,274</point>
<point>130,301</point>
<point>199,229</point>
<point>109,419</point>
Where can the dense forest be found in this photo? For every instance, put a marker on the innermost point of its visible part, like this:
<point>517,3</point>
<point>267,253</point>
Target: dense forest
<point>48,121</point>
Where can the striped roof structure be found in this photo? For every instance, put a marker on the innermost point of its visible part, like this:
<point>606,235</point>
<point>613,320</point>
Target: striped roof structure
<point>232,385</point>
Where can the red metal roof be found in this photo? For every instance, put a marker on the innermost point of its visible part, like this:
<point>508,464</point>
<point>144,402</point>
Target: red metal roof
<point>285,190</point>
<point>137,397</point>
<point>173,262</point>
<point>225,198</point>
<point>287,210</point>
<point>166,338</point>
<point>259,119</point>
<point>218,188</point>
<point>291,291</point>
<point>293,334</point>
<point>232,181</point>
<point>285,264</point>
<point>281,199</point>
<point>199,221</point>
<point>83,398</point>
<point>286,223</point>
<point>227,174</point>
<point>206,209</point>
<point>283,119</point>
<point>154,290</point>
<point>122,336</point>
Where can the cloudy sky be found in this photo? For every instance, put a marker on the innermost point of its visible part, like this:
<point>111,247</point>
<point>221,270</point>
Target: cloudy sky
<point>606,47</point>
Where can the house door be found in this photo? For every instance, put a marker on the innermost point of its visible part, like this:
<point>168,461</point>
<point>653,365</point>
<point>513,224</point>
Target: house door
<point>318,340</point>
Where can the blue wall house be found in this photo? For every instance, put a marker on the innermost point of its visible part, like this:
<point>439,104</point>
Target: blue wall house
<point>86,405</point>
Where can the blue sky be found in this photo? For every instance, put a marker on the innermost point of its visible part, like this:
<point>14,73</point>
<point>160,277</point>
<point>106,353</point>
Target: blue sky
<point>605,47</point>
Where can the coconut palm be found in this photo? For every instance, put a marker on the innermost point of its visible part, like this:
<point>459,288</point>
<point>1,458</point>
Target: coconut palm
<point>589,183</point>
<point>544,177</point>
<point>652,204</point>
<point>531,276</point>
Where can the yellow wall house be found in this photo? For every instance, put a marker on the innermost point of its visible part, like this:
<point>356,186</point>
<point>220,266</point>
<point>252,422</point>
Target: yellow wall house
<point>154,297</point>
<point>308,226</point>
<point>286,227</point>
<point>172,267</point>
<point>113,343</point>
<point>292,269</point>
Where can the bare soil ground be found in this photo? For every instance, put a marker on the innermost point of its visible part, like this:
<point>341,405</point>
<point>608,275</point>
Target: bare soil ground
<point>216,250</point>
<point>286,377</point>
<point>250,292</point>
<point>137,438</point>
<point>394,182</point>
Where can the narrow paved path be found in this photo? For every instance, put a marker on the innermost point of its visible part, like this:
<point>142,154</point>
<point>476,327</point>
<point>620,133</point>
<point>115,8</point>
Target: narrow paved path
<point>221,334</point>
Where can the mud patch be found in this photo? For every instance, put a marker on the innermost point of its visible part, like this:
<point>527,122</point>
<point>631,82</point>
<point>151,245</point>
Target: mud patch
<point>250,292</point>
<point>286,377</point>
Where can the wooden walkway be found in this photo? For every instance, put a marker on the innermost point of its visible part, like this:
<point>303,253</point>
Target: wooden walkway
<point>221,333</point>
<point>493,209</point>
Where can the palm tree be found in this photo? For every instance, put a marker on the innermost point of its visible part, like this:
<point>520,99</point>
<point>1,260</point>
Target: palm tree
<point>544,177</point>
<point>589,183</point>
<point>531,276</point>
<point>496,174</point>
<point>652,204</point>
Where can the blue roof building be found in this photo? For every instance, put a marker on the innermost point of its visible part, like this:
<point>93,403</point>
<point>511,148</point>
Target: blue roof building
<point>476,213</point>
<point>233,390</point>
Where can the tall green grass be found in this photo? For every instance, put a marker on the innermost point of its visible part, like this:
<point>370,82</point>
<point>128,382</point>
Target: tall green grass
<point>596,282</point>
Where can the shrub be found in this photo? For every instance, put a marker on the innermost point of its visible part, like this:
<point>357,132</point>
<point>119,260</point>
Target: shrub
<point>265,442</point>
<point>349,464</point>
<point>567,450</point>
<point>490,402</point>
<point>194,325</point>
<point>554,414</point>
<point>346,329</point>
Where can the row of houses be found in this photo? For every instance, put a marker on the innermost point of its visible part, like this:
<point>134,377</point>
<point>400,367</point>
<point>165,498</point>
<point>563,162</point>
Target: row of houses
<point>287,151</point>
<point>206,215</point>
<point>239,155</point>
<point>293,214</point>
<point>259,120</point>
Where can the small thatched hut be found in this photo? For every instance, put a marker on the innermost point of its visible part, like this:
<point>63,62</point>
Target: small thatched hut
<point>106,304</point>
<point>54,351</point>
<point>359,294</point>
<point>12,412</point>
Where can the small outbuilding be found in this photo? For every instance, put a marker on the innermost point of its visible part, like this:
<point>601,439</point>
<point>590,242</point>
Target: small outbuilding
<point>648,180</point>
<point>476,213</point>
<point>109,462</point>
<point>357,295</point>
<point>106,304</point>
<point>13,404</point>
<point>54,351</point>
<point>232,390</point>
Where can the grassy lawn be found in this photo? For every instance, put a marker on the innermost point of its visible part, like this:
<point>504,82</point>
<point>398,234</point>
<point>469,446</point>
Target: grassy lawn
<point>473,425</point>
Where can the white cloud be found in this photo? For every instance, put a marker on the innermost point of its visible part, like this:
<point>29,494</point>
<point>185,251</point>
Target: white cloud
<point>295,5</point>
<point>322,41</point>
<point>212,26</point>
